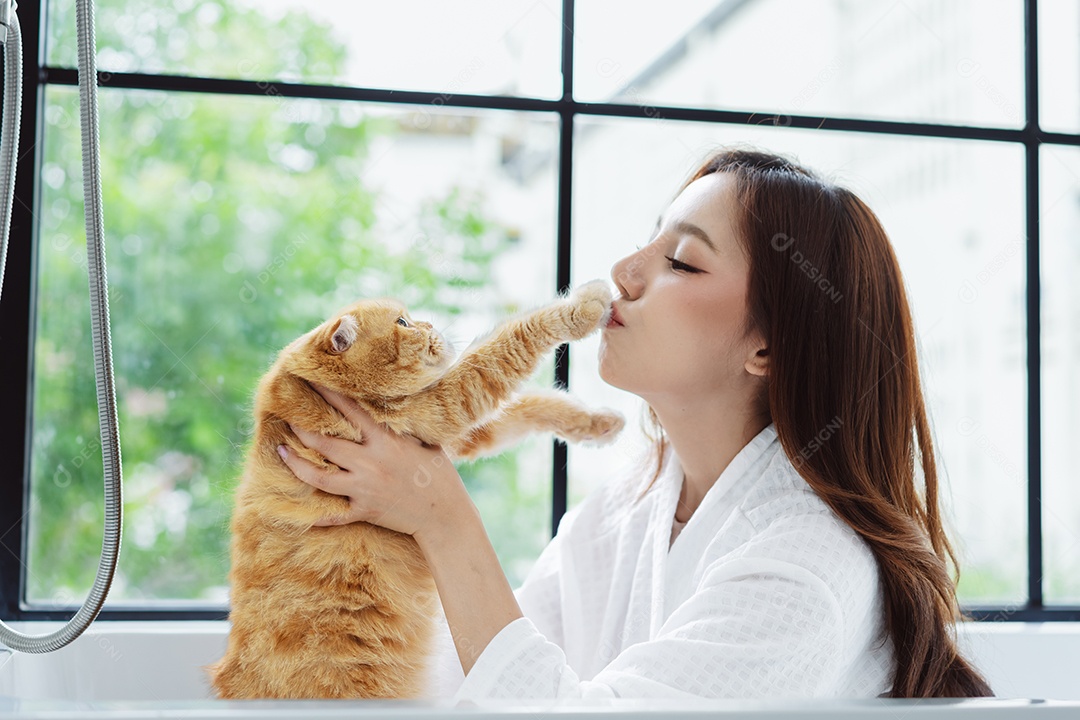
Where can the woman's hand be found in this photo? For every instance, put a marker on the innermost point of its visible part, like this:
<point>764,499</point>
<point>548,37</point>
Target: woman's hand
<point>391,480</point>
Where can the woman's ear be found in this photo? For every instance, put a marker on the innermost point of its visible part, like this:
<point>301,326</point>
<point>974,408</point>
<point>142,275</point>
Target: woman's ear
<point>758,364</point>
<point>343,335</point>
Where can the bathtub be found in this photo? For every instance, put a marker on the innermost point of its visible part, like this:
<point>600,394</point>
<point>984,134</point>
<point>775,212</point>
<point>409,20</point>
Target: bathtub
<point>154,670</point>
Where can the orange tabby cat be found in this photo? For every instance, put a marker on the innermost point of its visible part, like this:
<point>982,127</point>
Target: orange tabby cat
<point>347,611</point>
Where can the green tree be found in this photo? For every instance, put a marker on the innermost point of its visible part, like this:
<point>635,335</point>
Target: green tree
<point>233,225</point>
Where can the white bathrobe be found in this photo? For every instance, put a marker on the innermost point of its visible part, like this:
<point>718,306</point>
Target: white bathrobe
<point>764,593</point>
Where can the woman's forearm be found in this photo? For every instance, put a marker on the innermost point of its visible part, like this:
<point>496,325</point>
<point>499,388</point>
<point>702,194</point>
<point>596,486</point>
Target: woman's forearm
<point>476,596</point>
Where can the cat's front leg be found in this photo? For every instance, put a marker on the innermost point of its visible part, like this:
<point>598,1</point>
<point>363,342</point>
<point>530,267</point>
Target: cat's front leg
<point>586,309</point>
<point>488,373</point>
<point>536,412</point>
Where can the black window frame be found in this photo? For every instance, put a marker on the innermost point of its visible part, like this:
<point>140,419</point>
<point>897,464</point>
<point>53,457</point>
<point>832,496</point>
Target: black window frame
<point>17,309</point>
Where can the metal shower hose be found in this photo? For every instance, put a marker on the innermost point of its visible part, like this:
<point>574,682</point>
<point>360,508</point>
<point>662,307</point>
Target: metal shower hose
<point>99,301</point>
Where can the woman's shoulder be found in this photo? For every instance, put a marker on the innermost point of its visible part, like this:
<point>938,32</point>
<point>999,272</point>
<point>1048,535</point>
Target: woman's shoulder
<point>790,522</point>
<point>781,495</point>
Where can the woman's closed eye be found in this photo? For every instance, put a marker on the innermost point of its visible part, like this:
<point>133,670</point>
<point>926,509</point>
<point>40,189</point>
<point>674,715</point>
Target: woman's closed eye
<point>681,266</point>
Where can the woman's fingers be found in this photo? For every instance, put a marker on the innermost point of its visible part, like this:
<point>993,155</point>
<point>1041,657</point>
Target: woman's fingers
<point>348,408</point>
<point>336,450</point>
<point>327,480</point>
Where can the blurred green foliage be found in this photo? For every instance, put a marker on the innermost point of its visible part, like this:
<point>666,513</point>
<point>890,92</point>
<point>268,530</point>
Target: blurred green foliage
<point>233,225</point>
<point>981,585</point>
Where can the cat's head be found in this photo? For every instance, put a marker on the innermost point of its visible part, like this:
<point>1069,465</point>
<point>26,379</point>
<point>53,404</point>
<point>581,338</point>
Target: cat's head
<point>372,348</point>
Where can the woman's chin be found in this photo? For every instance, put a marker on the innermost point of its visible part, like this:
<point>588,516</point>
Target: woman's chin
<point>607,375</point>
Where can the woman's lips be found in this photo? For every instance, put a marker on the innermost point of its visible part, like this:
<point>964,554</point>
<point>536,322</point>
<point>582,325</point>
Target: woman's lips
<point>615,320</point>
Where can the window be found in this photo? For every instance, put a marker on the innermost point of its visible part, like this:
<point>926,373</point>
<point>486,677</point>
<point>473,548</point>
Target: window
<point>266,162</point>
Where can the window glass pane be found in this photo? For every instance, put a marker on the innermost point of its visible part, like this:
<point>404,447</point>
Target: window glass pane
<point>506,47</point>
<point>234,225</point>
<point>933,60</point>
<point>1059,65</point>
<point>1060,227</point>
<point>954,212</point>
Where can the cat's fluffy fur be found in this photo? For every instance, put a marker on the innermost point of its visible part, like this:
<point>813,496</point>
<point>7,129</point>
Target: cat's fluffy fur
<point>346,611</point>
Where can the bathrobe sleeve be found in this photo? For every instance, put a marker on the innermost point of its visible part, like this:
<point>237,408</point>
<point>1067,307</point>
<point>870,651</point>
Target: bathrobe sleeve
<point>757,625</point>
<point>540,600</point>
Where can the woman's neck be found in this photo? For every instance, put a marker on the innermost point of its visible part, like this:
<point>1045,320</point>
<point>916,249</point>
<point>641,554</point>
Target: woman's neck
<point>705,439</point>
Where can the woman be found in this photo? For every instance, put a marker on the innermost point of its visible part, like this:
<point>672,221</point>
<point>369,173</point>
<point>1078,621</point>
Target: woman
<point>783,545</point>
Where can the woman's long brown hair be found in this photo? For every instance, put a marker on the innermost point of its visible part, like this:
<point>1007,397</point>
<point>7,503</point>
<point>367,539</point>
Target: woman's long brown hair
<point>827,295</point>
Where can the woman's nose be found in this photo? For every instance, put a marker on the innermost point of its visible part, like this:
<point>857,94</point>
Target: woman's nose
<point>627,274</point>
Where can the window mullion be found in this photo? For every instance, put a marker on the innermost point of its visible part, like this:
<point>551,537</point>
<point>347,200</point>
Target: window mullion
<point>563,251</point>
<point>17,311</point>
<point>1033,325</point>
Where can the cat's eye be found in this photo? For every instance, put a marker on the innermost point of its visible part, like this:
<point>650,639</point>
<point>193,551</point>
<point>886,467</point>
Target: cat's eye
<point>402,322</point>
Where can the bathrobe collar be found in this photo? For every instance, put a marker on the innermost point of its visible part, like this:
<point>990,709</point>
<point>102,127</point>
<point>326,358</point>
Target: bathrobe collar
<point>669,560</point>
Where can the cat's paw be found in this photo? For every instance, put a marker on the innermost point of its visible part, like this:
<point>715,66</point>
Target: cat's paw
<point>588,308</point>
<point>604,426</point>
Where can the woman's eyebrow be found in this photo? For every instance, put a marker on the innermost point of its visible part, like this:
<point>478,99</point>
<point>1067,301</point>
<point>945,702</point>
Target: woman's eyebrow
<point>685,228</point>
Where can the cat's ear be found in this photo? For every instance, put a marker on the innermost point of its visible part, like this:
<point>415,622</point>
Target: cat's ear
<point>344,334</point>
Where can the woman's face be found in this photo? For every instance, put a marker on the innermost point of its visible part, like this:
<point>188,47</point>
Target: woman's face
<point>683,303</point>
